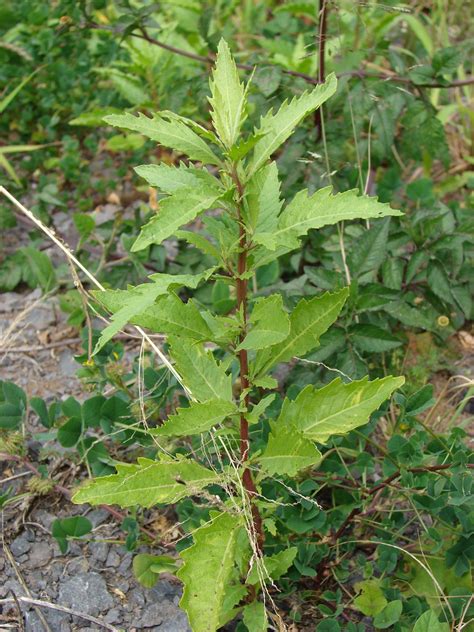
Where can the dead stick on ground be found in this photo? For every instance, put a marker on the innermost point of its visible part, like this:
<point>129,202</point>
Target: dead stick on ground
<point>71,258</point>
<point>39,603</point>
<point>14,565</point>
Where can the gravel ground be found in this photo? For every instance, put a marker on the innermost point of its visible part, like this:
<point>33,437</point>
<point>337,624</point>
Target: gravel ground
<point>94,578</point>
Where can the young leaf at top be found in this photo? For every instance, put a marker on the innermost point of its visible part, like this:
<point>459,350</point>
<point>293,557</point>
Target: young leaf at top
<point>320,209</point>
<point>207,571</point>
<point>308,321</point>
<point>279,127</point>
<point>228,97</point>
<point>338,407</point>
<point>271,324</point>
<point>263,203</point>
<point>202,374</point>
<point>146,483</point>
<point>174,134</point>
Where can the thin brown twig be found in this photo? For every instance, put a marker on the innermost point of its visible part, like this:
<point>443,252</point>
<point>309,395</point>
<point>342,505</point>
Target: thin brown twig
<point>52,606</point>
<point>24,585</point>
<point>21,621</point>
<point>209,59</point>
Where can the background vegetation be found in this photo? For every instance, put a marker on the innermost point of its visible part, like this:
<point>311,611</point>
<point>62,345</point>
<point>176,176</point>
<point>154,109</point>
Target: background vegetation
<point>394,538</point>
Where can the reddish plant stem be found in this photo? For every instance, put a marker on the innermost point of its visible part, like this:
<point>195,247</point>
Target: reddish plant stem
<point>241,289</point>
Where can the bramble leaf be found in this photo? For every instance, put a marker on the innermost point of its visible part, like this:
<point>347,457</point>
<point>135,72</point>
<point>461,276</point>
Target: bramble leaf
<point>338,407</point>
<point>146,483</point>
<point>308,321</point>
<point>228,97</point>
<point>202,374</point>
<point>287,451</point>
<point>270,323</point>
<point>207,571</point>
<point>199,417</point>
<point>278,127</point>
<point>173,133</point>
<point>320,209</point>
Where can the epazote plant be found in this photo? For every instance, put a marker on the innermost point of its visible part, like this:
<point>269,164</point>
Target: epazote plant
<point>224,362</point>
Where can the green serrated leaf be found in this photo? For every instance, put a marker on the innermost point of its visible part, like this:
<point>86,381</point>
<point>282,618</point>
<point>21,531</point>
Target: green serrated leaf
<point>175,211</point>
<point>170,133</point>
<point>338,407</point>
<point>320,209</point>
<point>203,375</point>
<point>227,97</point>
<point>207,572</point>
<point>255,617</point>
<point>170,179</point>
<point>279,127</point>
<point>373,339</point>
<point>308,321</point>
<point>199,417</point>
<point>271,323</point>
<point>274,566</point>
<point>287,451</point>
<point>146,483</point>
<point>263,203</point>
<point>169,315</point>
<point>127,304</point>
<point>371,250</point>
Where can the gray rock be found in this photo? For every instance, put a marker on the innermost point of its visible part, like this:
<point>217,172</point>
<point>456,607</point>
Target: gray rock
<point>136,598</point>
<point>85,592</point>
<point>99,551</point>
<point>67,365</point>
<point>113,559</point>
<point>20,545</point>
<point>125,565</point>
<point>39,555</point>
<point>113,616</point>
<point>163,589</point>
<point>10,585</point>
<point>98,516</point>
<point>45,518</point>
<point>167,616</point>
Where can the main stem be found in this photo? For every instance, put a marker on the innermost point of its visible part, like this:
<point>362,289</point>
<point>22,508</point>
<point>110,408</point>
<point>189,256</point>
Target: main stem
<point>242,289</point>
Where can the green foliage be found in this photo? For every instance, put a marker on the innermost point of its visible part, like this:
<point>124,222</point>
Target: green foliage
<point>207,572</point>
<point>214,563</point>
<point>65,529</point>
<point>147,568</point>
<point>405,274</point>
